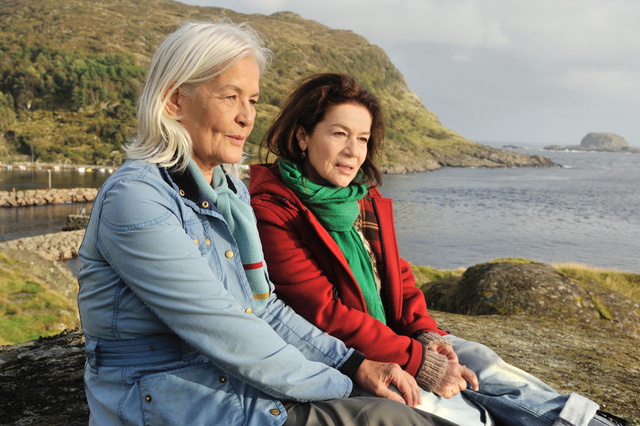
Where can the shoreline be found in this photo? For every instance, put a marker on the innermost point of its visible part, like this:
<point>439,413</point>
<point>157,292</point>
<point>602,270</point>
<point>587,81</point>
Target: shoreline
<point>64,245</point>
<point>57,246</point>
<point>39,197</point>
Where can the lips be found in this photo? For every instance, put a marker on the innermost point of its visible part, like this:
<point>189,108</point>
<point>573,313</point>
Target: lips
<point>345,167</point>
<point>239,139</point>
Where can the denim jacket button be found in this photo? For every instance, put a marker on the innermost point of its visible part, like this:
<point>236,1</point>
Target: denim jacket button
<point>274,411</point>
<point>197,241</point>
<point>204,204</point>
<point>248,311</point>
<point>222,379</point>
<point>182,192</point>
<point>228,254</point>
<point>207,242</point>
<point>148,398</point>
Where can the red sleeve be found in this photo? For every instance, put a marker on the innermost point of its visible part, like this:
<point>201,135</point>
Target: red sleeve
<point>407,308</point>
<point>415,317</point>
<point>312,280</point>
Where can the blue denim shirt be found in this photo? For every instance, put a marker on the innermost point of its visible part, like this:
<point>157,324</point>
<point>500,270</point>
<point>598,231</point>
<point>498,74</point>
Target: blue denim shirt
<point>159,265</point>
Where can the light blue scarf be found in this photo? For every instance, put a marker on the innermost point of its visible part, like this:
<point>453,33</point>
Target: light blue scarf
<point>241,221</point>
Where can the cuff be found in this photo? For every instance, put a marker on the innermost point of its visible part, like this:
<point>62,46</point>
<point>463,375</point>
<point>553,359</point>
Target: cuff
<point>431,339</point>
<point>432,369</point>
<point>352,364</point>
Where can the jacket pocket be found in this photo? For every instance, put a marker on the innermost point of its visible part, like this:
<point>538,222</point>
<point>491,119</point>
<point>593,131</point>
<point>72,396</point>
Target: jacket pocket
<point>196,395</point>
<point>199,230</point>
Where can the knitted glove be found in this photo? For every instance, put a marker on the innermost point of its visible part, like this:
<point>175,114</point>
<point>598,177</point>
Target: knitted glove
<point>432,340</point>
<point>432,369</point>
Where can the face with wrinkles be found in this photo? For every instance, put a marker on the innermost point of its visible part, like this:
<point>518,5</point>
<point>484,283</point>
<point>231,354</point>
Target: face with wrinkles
<point>219,116</point>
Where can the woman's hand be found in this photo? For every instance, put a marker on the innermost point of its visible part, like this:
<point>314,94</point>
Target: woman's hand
<point>455,380</point>
<point>446,350</point>
<point>375,377</point>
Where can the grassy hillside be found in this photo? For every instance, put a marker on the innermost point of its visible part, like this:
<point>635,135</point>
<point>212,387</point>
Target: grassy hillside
<point>30,305</point>
<point>71,72</point>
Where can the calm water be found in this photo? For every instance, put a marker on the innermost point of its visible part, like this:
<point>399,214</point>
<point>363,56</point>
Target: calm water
<point>586,212</point>
<point>37,220</point>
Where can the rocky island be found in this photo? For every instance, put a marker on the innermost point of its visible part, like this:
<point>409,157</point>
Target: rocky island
<point>607,142</point>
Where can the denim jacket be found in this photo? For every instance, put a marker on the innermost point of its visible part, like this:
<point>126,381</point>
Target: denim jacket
<point>167,312</point>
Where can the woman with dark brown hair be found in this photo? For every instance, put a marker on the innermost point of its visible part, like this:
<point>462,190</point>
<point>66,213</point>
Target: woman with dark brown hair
<point>332,253</point>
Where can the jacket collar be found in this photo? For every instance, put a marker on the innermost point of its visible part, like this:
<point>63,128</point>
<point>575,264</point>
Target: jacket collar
<point>185,184</point>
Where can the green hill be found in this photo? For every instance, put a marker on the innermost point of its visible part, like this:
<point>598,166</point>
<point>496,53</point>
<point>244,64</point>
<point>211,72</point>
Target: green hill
<point>71,72</point>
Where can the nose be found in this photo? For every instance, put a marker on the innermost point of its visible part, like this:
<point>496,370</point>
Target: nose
<point>246,115</point>
<point>352,146</point>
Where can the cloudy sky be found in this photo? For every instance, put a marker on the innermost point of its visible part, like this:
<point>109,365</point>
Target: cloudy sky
<point>532,72</point>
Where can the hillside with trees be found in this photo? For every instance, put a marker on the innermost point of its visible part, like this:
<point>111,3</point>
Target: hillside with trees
<point>71,72</point>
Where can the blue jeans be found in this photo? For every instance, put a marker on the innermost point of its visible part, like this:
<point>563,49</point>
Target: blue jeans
<point>510,395</point>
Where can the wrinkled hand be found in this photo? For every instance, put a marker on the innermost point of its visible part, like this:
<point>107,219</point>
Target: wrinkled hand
<point>446,350</point>
<point>455,380</point>
<point>375,377</point>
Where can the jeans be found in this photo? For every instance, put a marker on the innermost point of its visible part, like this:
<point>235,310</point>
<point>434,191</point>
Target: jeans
<point>510,395</point>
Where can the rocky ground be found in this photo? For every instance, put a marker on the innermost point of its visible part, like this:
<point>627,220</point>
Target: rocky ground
<point>41,381</point>
<point>39,197</point>
<point>574,349</point>
<point>55,246</point>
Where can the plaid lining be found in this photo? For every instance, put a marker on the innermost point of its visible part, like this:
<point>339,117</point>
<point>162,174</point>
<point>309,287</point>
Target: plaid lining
<point>370,229</point>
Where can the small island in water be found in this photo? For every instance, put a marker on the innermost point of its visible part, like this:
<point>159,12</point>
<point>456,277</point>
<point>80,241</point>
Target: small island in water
<point>607,142</point>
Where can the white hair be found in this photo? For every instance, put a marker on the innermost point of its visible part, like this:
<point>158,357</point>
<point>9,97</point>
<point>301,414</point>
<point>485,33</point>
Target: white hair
<point>187,58</point>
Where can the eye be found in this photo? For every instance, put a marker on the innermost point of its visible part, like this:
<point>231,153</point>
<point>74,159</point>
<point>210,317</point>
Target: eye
<point>231,97</point>
<point>363,139</point>
<point>253,101</point>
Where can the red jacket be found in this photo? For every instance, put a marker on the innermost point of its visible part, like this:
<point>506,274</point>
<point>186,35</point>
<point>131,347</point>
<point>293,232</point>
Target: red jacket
<point>312,275</point>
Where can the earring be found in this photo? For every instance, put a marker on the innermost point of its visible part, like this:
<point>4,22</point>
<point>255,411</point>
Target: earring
<point>303,154</point>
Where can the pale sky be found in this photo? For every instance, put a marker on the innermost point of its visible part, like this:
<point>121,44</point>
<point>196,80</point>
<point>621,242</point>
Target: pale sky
<point>533,72</point>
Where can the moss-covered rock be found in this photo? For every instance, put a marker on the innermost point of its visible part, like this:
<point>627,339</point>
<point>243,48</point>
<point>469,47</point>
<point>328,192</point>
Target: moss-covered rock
<point>516,287</point>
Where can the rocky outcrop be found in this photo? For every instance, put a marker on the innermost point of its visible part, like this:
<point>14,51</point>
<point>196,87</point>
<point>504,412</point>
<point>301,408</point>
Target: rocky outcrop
<point>475,155</point>
<point>607,142</point>
<point>604,141</point>
<point>509,288</point>
<point>573,335</point>
<point>56,246</point>
<point>41,382</point>
<point>75,222</point>
<point>38,197</point>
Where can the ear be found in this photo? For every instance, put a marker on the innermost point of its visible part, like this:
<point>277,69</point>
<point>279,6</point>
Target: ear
<point>173,106</point>
<point>301,135</point>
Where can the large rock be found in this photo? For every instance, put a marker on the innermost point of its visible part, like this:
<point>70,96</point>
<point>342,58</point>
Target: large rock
<point>603,141</point>
<point>41,382</point>
<point>607,142</point>
<point>510,288</point>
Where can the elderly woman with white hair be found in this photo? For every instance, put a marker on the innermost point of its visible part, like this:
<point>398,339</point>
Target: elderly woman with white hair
<point>180,319</point>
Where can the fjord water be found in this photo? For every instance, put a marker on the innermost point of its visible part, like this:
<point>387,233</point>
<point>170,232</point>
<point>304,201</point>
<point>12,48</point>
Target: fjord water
<point>587,211</point>
<point>38,220</point>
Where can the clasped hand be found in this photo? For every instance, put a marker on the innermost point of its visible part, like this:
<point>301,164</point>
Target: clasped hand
<point>375,377</point>
<point>456,376</point>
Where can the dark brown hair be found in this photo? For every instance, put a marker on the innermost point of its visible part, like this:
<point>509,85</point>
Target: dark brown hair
<point>307,105</point>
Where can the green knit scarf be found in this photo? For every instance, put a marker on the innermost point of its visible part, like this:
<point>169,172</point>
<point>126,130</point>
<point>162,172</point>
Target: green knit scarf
<point>337,209</point>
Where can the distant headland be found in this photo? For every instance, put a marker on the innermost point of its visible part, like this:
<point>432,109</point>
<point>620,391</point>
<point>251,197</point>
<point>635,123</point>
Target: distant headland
<point>607,142</point>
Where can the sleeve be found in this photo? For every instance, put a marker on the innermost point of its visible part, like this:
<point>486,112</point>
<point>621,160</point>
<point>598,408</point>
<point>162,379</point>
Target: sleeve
<point>415,318</point>
<point>144,241</point>
<point>302,282</point>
